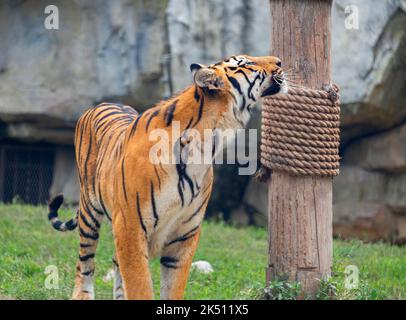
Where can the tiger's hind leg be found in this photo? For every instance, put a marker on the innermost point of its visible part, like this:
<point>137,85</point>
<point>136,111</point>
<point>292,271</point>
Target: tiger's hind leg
<point>118,291</point>
<point>89,225</point>
<point>176,260</point>
<point>132,255</point>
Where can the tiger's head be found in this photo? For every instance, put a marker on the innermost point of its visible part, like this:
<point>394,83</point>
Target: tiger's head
<point>244,79</point>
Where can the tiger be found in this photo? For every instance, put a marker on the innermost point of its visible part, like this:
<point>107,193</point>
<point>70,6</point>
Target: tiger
<point>156,209</point>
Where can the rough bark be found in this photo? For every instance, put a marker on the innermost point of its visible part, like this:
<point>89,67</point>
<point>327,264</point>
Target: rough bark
<point>300,208</point>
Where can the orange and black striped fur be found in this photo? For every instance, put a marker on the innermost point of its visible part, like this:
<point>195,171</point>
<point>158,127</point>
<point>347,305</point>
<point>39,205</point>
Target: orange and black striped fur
<point>155,209</point>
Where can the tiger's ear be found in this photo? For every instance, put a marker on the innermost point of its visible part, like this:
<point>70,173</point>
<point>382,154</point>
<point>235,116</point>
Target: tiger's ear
<point>205,77</point>
<point>195,66</point>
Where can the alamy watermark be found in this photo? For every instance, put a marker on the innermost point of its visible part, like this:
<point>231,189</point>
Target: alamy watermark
<point>351,281</point>
<point>192,147</point>
<point>351,21</point>
<point>52,279</point>
<point>51,21</point>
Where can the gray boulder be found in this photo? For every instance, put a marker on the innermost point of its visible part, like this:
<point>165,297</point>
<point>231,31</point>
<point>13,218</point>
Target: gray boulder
<point>383,152</point>
<point>369,65</point>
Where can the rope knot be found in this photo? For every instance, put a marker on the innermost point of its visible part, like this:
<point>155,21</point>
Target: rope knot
<point>333,91</point>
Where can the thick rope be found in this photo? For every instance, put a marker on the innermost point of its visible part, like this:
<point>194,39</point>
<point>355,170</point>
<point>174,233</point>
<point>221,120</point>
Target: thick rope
<point>301,132</point>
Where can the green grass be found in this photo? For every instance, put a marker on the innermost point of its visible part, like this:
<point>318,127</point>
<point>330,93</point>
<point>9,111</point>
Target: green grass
<point>28,245</point>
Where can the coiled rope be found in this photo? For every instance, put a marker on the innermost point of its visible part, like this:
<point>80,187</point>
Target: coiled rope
<point>301,132</point>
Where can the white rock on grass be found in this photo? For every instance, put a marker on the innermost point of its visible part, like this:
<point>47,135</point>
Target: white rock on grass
<point>109,276</point>
<point>202,266</point>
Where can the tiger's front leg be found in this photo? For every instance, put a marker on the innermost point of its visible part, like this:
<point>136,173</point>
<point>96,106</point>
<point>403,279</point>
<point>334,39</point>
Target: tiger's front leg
<point>176,260</point>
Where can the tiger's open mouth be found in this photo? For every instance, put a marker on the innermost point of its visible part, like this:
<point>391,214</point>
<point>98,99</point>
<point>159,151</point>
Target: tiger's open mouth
<point>274,88</point>
<point>278,85</point>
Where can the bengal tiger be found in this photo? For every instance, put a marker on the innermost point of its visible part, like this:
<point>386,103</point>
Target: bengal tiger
<point>156,209</point>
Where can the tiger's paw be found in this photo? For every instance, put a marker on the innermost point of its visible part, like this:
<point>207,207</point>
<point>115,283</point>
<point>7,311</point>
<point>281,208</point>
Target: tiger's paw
<point>83,295</point>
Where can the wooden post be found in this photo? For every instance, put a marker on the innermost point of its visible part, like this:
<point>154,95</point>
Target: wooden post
<point>300,207</point>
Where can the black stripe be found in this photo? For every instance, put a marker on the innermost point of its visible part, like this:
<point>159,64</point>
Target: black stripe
<point>245,75</point>
<point>169,113</point>
<point>250,95</point>
<point>57,225</point>
<point>139,214</point>
<point>180,191</point>
<point>153,115</point>
<point>129,110</point>
<point>85,245</point>
<point>242,107</point>
<point>123,180</point>
<point>169,262</point>
<point>85,175</point>
<point>189,124</point>
<point>248,68</point>
<point>81,137</point>
<point>235,83</point>
<point>99,111</point>
<point>98,122</point>
<point>52,215</point>
<point>92,207</point>
<point>182,175</point>
<point>154,211</point>
<point>197,96</point>
<point>185,237</point>
<point>200,112</point>
<point>87,223</point>
<point>87,273</point>
<point>134,127</point>
<point>71,224</point>
<point>107,129</point>
<point>102,203</point>
<point>197,210</point>
<point>88,235</point>
<point>95,221</point>
<point>263,77</point>
<point>86,257</point>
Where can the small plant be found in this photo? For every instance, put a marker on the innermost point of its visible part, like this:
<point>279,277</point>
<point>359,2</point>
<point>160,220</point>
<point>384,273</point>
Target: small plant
<point>334,289</point>
<point>282,290</point>
<point>327,290</point>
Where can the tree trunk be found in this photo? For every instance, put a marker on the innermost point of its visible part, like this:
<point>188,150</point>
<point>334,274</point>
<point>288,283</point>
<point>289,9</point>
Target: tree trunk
<point>300,207</point>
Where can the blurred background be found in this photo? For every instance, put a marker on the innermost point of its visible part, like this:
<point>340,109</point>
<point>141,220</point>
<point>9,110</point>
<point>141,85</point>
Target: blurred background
<point>138,52</point>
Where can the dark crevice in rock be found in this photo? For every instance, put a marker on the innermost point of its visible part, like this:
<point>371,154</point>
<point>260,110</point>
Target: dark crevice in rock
<point>167,58</point>
<point>367,132</point>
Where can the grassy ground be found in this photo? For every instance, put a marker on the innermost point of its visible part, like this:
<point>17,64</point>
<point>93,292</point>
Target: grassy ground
<point>28,245</point>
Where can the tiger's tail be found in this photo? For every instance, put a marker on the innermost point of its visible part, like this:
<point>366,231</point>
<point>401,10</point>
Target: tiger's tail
<point>53,206</point>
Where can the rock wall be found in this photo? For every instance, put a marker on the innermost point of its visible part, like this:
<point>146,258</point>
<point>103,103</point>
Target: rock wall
<point>370,66</point>
<point>138,52</point>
